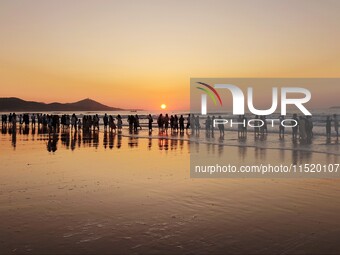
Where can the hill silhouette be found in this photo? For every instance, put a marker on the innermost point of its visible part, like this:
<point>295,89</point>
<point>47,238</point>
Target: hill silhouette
<point>16,104</point>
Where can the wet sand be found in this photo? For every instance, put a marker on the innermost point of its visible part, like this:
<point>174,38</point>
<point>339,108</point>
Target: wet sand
<point>138,197</point>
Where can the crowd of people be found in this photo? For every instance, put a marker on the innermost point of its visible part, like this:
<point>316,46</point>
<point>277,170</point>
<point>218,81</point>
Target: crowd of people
<point>53,123</point>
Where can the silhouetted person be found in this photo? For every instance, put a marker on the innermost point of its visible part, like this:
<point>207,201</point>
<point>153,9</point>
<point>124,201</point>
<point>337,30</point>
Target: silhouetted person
<point>166,122</point>
<point>212,123</point>
<point>4,120</point>
<point>150,120</point>
<point>336,125</point>
<point>263,128</point>
<point>119,123</point>
<point>79,124</point>
<point>257,124</point>
<point>112,124</point>
<point>281,127</point>
<point>96,122</point>
<point>106,121</point>
<point>245,126</point>
<point>176,123</point>
<point>33,119</point>
<point>239,126</point>
<point>295,128</point>
<point>221,127</point>
<point>328,126</point>
<point>160,123</point>
<point>302,128</point>
<point>74,120</point>
<point>131,120</point>
<point>20,120</point>
<point>208,124</point>
<point>181,123</point>
<point>26,119</point>
<point>136,123</point>
<point>309,128</point>
<point>188,122</point>
<point>197,124</point>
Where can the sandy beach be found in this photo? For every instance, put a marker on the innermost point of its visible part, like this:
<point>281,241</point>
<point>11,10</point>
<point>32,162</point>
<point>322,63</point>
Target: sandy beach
<point>132,194</point>
<point>169,127</point>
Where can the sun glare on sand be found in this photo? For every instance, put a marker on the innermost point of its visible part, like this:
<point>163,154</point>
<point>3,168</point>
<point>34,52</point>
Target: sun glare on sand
<point>163,106</point>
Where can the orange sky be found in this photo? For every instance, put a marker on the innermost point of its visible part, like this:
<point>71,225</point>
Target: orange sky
<point>140,54</point>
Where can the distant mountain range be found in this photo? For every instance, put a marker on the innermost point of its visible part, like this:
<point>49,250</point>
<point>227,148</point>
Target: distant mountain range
<point>12,104</point>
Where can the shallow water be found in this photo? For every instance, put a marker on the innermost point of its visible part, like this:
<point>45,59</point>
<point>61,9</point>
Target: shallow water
<point>133,194</point>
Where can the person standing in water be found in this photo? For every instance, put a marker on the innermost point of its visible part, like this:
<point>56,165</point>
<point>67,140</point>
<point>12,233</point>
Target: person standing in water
<point>79,124</point>
<point>295,128</point>
<point>119,123</point>
<point>150,120</point>
<point>188,122</point>
<point>137,123</point>
<point>106,121</point>
<point>197,124</point>
<point>74,120</point>
<point>302,129</point>
<point>160,123</point>
<point>282,127</point>
<point>176,123</point>
<point>221,128</point>
<point>336,125</point>
<point>181,124</point>
<point>192,123</point>
<point>328,127</point>
<point>166,122</point>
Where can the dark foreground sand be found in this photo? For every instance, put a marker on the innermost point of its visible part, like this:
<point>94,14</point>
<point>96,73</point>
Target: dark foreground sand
<point>139,198</point>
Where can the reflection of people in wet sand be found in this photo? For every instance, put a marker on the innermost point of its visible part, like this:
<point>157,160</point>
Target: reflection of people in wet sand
<point>119,141</point>
<point>111,140</point>
<point>105,139</point>
<point>52,143</point>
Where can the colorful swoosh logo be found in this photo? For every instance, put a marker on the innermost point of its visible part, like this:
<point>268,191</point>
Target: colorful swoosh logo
<point>211,92</point>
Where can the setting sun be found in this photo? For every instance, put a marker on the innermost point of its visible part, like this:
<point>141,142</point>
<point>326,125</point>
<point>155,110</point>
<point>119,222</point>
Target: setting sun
<point>163,106</point>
